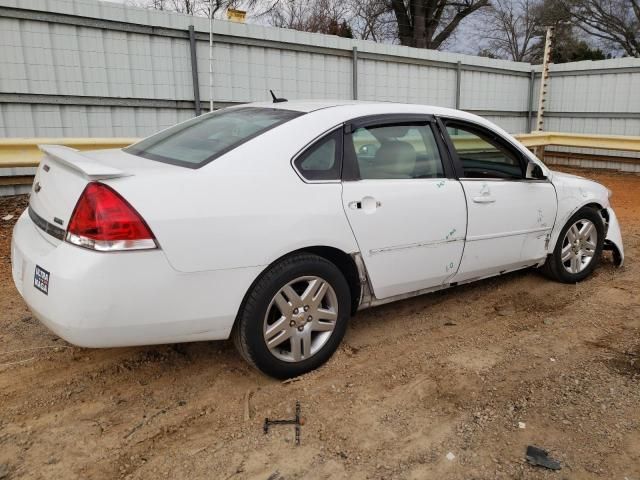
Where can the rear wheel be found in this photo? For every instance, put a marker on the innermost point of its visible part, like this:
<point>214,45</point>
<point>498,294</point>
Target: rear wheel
<point>294,317</point>
<point>579,247</point>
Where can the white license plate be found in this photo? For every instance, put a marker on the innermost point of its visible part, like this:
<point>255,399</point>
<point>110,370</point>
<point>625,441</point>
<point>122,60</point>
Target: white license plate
<point>41,279</point>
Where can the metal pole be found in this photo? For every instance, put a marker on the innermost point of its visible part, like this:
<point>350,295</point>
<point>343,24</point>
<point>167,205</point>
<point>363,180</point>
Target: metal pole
<point>194,70</point>
<point>354,70</point>
<point>458,82</point>
<point>532,80</point>
<point>211,55</point>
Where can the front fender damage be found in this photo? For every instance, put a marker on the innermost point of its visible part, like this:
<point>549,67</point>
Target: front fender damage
<point>613,240</point>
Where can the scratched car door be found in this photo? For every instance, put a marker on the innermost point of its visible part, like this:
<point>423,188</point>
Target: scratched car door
<point>510,217</point>
<point>409,219</point>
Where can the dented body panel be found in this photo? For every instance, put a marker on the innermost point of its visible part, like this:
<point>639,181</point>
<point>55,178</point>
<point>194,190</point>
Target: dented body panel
<point>575,192</point>
<point>401,252</point>
<point>511,231</point>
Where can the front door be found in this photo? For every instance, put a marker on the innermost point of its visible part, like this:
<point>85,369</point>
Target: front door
<point>510,217</point>
<point>407,213</point>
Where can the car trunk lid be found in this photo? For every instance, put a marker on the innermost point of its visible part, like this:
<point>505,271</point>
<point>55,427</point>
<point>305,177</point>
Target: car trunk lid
<point>60,179</point>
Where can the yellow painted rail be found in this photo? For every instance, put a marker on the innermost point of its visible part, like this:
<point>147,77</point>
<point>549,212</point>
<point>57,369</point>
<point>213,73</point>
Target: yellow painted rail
<point>24,152</point>
<point>607,142</point>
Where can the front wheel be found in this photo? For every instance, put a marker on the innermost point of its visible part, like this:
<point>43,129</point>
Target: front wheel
<point>579,247</point>
<point>294,317</point>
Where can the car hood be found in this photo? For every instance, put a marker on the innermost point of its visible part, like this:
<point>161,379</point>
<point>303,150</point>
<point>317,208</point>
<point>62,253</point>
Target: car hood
<point>581,185</point>
<point>563,175</point>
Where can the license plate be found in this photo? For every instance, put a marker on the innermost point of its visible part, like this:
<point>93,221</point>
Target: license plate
<point>41,280</point>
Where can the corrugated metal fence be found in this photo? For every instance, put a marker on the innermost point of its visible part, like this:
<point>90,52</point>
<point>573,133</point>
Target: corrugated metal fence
<point>85,68</point>
<point>88,68</point>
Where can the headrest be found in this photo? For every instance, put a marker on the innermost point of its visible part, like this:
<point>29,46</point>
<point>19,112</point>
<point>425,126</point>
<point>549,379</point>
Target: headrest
<point>397,158</point>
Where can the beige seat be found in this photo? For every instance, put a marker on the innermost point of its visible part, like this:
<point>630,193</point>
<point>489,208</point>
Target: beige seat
<point>394,159</point>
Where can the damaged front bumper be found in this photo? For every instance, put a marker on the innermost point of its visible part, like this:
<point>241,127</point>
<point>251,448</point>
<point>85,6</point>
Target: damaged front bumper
<point>613,240</point>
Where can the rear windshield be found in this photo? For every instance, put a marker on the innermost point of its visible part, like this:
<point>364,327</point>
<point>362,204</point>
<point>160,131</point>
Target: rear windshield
<point>202,139</point>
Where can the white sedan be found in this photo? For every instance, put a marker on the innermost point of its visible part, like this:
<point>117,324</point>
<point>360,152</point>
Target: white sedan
<point>274,223</point>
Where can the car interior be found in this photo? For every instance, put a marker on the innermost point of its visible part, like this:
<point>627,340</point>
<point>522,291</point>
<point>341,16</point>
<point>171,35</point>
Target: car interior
<point>396,152</point>
<point>482,158</point>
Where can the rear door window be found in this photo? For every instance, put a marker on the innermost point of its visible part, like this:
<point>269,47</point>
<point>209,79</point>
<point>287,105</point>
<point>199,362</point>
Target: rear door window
<point>396,151</point>
<point>200,140</point>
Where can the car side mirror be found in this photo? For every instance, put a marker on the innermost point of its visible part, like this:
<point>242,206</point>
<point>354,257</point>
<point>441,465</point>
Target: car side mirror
<point>534,171</point>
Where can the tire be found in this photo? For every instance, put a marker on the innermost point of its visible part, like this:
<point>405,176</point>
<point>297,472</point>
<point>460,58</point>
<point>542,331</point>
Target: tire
<point>276,303</point>
<point>575,267</point>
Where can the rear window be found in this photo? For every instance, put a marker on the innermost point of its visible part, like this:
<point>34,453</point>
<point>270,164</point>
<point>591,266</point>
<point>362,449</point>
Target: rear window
<point>202,139</point>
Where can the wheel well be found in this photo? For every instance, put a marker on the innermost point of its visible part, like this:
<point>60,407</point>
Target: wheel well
<point>595,206</point>
<point>345,263</point>
<point>603,213</point>
<point>347,266</point>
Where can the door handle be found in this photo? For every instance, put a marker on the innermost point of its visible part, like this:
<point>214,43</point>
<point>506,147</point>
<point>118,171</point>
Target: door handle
<point>484,199</point>
<point>368,204</point>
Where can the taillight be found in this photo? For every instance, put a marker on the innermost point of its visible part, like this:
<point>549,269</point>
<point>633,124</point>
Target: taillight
<point>103,220</point>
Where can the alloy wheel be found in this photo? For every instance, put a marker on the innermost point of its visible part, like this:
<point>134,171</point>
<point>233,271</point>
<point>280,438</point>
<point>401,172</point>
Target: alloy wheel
<point>300,319</point>
<point>579,246</point>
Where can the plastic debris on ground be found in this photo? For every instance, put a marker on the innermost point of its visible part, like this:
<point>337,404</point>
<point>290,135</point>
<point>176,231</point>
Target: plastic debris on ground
<point>540,457</point>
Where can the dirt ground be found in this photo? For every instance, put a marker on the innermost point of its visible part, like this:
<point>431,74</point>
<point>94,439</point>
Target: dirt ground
<point>452,372</point>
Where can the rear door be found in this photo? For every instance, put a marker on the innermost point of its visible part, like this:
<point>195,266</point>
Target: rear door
<point>405,208</point>
<point>510,217</point>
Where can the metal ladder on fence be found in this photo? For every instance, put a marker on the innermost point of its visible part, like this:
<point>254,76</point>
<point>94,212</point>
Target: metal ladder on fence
<point>544,80</point>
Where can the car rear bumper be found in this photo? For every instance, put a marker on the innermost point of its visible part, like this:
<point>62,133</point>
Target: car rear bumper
<point>113,299</point>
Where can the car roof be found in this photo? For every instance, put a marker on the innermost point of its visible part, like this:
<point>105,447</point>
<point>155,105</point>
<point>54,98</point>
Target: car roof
<point>346,109</point>
<point>306,106</point>
<point>363,107</point>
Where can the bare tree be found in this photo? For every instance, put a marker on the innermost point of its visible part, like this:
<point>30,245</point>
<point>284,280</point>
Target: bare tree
<point>511,29</point>
<point>373,20</point>
<point>416,23</point>
<point>290,14</point>
<point>429,23</point>
<point>615,22</point>
<point>154,4</point>
<point>319,16</point>
<point>197,7</point>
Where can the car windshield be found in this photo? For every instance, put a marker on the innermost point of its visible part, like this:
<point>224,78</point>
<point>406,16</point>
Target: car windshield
<point>202,139</point>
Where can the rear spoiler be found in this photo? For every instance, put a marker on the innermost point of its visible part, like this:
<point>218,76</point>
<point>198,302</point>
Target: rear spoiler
<point>88,167</point>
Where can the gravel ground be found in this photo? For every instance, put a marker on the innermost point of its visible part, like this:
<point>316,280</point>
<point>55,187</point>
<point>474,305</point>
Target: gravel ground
<point>436,386</point>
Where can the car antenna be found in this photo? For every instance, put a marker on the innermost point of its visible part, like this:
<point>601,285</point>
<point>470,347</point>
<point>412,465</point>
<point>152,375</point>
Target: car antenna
<point>276,99</point>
